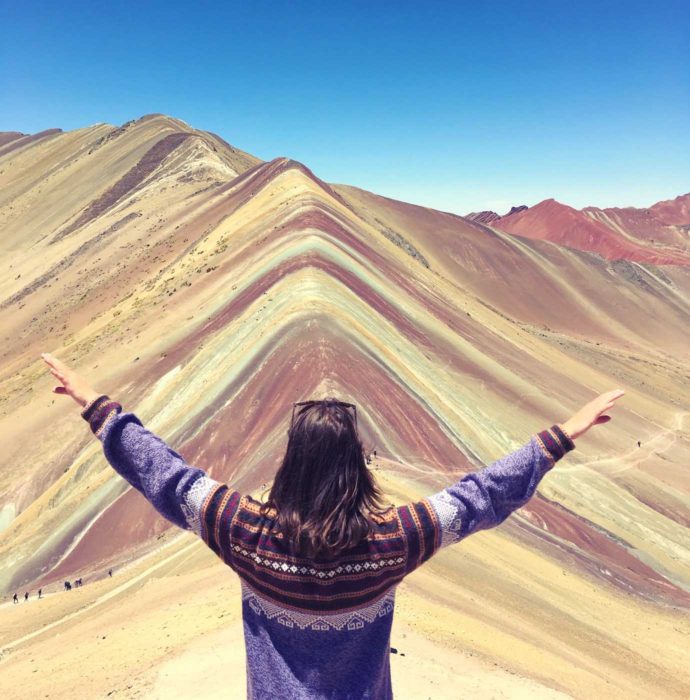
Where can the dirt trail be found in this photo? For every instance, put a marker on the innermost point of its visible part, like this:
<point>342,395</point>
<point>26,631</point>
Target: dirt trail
<point>100,600</point>
<point>632,458</point>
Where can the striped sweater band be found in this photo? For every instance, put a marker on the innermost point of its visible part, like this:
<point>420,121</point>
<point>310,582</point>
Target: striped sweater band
<point>556,442</point>
<point>90,407</point>
<point>97,413</point>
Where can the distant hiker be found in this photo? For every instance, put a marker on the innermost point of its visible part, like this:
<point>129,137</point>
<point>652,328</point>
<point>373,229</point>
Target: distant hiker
<point>15,599</point>
<point>639,444</point>
<point>26,596</point>
<point>374,453</point>
<point>39,592</point>
<point>66,585</point>
<point>110,572</point>
<point>326,518</point>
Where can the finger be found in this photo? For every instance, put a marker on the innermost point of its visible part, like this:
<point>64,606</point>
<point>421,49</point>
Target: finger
<point>615,394</point>
<point>58,364</point>
<point>54,362</point>
<point>607,400</point>
<point>58,375</point>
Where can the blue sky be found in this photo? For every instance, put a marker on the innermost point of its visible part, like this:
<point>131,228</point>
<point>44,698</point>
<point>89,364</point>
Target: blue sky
<point>459,106</point>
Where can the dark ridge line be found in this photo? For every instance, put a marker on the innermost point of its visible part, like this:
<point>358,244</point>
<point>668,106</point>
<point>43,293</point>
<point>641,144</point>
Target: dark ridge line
<point>111,135</point>
<point>396,238</point>
<point>402,242</point>
<point>246,158</point>
<point>128,182</point>
<point>25,140</point>
<point>7,136</point>
<point>68,261</point>
<point>225,143</point>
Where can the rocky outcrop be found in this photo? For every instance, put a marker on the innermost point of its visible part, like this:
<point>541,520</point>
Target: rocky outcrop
<point>483,217</point>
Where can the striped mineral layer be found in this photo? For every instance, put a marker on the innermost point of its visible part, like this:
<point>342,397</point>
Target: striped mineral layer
<point>206,290</point>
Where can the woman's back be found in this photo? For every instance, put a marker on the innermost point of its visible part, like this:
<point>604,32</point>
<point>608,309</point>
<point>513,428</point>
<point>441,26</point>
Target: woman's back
<point>314,628</point>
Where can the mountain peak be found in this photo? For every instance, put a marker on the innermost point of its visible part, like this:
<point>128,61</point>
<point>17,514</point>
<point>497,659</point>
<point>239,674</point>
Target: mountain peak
<point>516,210</point>
<point>674,212</point>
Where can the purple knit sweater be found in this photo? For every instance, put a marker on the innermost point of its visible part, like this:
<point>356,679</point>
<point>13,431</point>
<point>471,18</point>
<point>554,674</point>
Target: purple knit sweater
<point>317,628</point>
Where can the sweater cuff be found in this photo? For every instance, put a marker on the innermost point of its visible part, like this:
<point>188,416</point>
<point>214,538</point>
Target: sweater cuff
<point>97,413</point>
<point>90,407</point>
<point>555,442</point>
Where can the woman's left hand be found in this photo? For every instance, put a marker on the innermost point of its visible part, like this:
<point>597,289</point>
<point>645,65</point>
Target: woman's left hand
<point>72,384</point>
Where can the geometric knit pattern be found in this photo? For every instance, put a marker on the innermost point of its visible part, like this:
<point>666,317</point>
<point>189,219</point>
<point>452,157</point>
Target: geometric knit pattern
<point>193,499</point>
<point>446,506</point>
<point>351,620</point>
<point>323,573</point>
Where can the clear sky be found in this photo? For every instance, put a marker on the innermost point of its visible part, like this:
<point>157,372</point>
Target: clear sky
<point>459,106</point>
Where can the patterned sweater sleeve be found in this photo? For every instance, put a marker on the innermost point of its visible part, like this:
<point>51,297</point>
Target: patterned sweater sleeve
<point>481,499</point>
<point>178,491</point>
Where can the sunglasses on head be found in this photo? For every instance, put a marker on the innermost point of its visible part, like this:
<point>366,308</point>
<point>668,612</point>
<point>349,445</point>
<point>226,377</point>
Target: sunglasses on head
<point>324,402</point>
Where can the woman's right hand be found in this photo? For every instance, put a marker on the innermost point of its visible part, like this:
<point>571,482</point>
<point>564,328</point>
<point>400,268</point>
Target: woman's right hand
<point>591,414</point>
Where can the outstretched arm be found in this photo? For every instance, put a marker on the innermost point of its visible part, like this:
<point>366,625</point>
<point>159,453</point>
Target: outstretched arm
<point>485,498</point>
<point>178,491</point>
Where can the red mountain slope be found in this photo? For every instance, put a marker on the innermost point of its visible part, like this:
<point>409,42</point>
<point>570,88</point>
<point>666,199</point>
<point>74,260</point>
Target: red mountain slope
<point>552,221</point>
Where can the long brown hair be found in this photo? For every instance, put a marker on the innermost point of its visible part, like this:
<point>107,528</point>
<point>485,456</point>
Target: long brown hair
<point>323,491</point>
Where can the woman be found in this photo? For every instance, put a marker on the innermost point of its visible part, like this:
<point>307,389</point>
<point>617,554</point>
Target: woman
<point>320,561</point>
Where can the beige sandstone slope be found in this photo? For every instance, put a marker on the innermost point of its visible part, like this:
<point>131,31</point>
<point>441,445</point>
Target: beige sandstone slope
<point>206,290</point>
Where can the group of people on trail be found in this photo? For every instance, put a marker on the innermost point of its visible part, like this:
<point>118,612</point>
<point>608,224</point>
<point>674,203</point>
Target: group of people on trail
<point>67,584</point>
<point>26,596</point>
